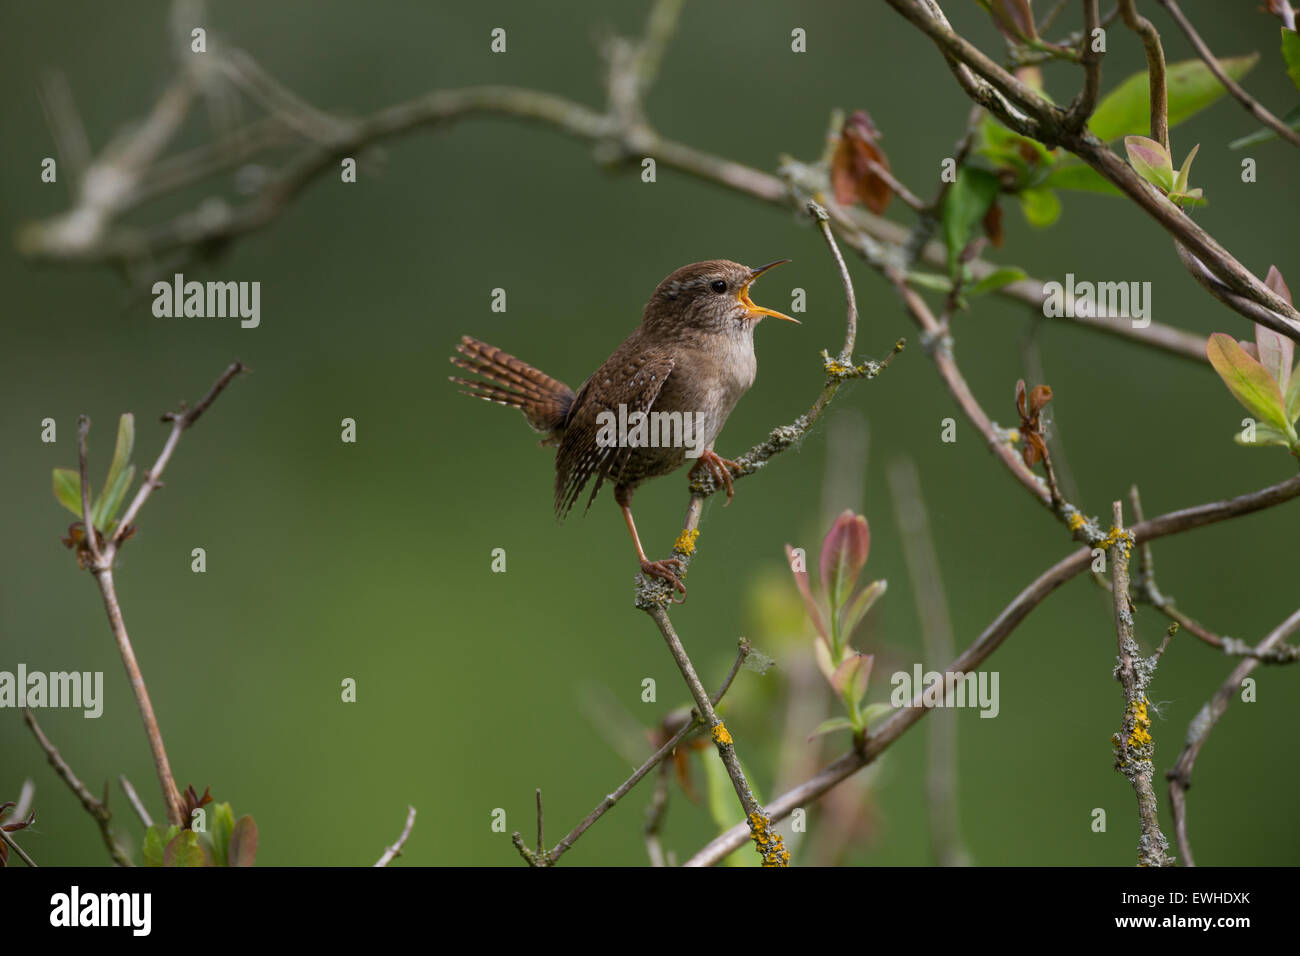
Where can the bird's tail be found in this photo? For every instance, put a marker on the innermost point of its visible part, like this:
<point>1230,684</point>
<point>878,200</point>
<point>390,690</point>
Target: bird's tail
<point>544,401</point>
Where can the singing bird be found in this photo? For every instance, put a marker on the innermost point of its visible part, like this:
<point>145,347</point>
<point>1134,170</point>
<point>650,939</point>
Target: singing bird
<point>692,354</point>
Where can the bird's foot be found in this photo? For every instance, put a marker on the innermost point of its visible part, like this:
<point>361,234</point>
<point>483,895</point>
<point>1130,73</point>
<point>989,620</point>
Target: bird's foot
<point>720,468</point>
<point>667,570</point>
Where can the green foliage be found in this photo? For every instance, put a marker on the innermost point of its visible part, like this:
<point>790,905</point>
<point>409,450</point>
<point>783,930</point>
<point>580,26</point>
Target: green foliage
<point>121,473</point>
<point>229,843</point>
<point>964,207</point>
<point>1263,377</point>
<point>1291,55</point>
<point>1192,88</point>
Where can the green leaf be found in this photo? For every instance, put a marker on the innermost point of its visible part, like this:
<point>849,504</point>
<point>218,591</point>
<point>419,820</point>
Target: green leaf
<point>964,207</point>
<point>930,280</point>
<point>155,841</point>
<point>1291,54</point>
<point>1151,160</point>
<point>183,850</point>
<point>859,605</point>
<point>120,473</point>
<point>1181,181</point>
<point>1265,435</point>
<point>1040,206</point>
<point>872,711</point>
<point>1292,119</point>
<point>223,827</point>
<point>1293,399</point>
<point>1079,177</point>
<point>830,726</point>
<point>1192,87</point>
<point>67,489</point>
<point>996,280</point>
<point>1249,383</point>
<point>243,843</point>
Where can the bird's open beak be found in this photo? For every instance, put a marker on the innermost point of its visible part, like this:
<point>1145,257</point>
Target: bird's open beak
<point>757,311</point>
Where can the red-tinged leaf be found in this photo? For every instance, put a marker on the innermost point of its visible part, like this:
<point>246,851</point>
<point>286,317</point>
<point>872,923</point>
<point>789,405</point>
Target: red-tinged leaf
<point>243,843</point>
<point>1275,282</point>
<point>184,850</point>
<point>853,173</point>
<point>1247,379</point>
<point>801,581</point>
<point>844,552</point>
<point>1151,160</point>
<point>1276,353</point>
<point>1013,18</point>
<point>1040,396</point>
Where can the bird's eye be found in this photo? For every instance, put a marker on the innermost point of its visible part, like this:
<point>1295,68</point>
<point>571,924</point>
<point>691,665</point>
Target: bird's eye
<point>718,285</point>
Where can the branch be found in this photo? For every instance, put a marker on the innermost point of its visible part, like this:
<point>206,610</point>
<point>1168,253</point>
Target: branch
<point>96,808</point>
<point>1198,731</point>
<point>990,639</point>
<point>1252,105</point>
<point>396,849</point>
<point>1025,111</point>
<point>17,849</point>
<point>1156,73</point>
<point>101,566</point>
<point>626,786</point>
<point>1134,746</point>
<point>1083,105</point>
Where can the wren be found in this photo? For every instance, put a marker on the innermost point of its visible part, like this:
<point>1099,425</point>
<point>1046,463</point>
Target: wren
<point>692,354</point>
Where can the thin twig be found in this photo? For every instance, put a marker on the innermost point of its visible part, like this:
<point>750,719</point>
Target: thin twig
<point>102,568</point>
<point>653,761</point>
<point>1252,105</point>
<point>1134,747</point>
<point>17,849</point>
<point>390,853</point>
<point>95,807</point>
<point>1198,731</point>
<point>1083,105</point>
<point>134,799</point>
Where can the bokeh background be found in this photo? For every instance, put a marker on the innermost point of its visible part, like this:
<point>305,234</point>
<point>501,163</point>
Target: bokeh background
<point>372,560</point>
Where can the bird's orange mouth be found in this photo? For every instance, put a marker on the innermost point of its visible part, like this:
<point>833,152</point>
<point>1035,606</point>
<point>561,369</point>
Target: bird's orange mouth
<point>757,311</point>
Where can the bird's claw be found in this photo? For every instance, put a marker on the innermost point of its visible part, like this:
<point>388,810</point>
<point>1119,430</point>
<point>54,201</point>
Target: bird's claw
<point>667,570</point>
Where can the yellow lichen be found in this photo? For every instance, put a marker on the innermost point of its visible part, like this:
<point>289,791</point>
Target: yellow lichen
<point>770,845</point>
<point>1076,521</point>
<point>721,735</point>
<point>1141,735</point>
<point>685,543</point>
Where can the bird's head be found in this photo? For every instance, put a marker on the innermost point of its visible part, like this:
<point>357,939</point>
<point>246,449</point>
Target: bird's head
<point>710,296</point>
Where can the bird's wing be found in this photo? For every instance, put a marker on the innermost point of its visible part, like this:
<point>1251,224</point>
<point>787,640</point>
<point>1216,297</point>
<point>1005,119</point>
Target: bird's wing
<point>635,381</point>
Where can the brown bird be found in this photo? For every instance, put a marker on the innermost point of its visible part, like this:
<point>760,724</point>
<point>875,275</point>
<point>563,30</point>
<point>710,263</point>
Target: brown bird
<point>689,361</point>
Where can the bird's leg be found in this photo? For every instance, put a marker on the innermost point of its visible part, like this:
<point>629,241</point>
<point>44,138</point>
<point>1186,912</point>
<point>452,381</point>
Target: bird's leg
<point>668,569</point>
<point>719,469</point>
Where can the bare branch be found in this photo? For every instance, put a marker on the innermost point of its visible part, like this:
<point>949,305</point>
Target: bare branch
<point>390,853</point>
<point>96,808</point>
<point>1252,105</point>
<point>1180,775</point>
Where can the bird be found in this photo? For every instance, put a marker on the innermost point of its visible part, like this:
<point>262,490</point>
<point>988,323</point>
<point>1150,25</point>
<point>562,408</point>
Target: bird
<point>690,360</point>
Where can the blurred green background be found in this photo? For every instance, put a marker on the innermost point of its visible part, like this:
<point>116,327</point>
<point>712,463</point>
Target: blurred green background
<point>372,561</point>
